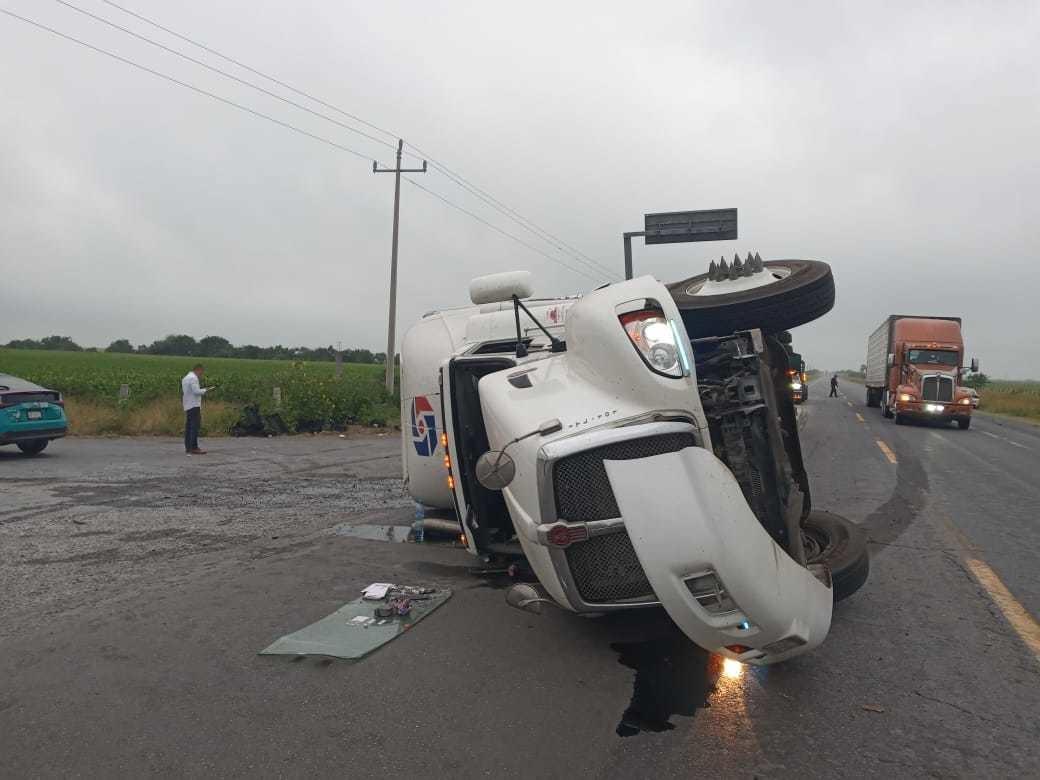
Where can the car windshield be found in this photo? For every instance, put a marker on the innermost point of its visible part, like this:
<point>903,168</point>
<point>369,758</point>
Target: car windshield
<point>934,357</point>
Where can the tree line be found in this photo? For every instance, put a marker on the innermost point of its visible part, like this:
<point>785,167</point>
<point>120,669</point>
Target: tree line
<point>208,346</point>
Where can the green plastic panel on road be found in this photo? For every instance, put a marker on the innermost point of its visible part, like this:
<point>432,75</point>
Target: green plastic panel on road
<point>335,636</point>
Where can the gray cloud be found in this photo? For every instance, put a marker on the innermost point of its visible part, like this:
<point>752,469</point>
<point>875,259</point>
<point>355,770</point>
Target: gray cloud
<point>896,143</point>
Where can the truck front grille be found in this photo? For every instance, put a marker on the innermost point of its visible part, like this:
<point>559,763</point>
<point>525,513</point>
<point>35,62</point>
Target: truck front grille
<point>605,568</point>
<point>580,483</point>
<point>937,388</point>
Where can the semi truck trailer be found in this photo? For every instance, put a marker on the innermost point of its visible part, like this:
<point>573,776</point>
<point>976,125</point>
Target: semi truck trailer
<point>914,367</point>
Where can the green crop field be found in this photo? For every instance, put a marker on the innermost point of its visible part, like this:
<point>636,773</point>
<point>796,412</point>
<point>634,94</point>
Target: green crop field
<point>1021,399</point>
<point>312,397</point>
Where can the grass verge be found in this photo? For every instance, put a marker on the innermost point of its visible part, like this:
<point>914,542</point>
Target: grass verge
<point>155,418</point>
<point>1011,401</point>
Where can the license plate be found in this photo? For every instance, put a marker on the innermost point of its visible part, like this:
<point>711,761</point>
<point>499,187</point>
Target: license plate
<point>34,415</point>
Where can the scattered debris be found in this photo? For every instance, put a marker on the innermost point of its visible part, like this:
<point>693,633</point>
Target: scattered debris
<point>377,590</point>
<point>336,635</point>
<point>873,708</point>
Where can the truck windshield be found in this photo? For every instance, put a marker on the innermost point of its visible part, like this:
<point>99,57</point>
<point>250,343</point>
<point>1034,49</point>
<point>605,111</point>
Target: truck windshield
<point>934,357</point>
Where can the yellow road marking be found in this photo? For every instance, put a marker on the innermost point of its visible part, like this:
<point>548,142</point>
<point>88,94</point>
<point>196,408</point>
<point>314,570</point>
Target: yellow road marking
<point>888,451</point>
<point>860,417</point>
<point>849,403</point>
<point>1025,624</point>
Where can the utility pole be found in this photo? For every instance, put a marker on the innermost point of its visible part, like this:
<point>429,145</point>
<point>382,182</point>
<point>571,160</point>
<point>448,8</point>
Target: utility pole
<point>397,170</point>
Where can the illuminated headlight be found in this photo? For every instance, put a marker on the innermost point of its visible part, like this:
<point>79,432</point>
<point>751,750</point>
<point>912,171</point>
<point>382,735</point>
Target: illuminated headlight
<point>657,341</point>
<point>905,397</point>
<point>933,407</point>
<point>796,385</point>
<point>965,401</point>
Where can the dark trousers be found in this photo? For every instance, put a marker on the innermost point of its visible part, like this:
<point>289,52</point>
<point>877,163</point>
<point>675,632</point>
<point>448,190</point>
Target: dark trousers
<point>834,391</point>
<point>192,423</point>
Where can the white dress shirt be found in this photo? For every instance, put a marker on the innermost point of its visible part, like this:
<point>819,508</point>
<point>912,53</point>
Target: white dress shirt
<point>191,392</point>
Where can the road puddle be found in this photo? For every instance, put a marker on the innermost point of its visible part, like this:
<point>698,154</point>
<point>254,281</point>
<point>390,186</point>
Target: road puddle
<point>673,677</point>
<point>377,533</point>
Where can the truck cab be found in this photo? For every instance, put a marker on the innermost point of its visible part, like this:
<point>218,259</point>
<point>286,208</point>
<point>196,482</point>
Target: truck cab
<point>637,446</point>
<point>921,370</point>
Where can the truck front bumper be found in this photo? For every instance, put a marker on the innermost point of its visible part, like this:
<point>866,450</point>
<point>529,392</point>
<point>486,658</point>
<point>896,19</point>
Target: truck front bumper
<point>933,410</point>
<point>720,576</point>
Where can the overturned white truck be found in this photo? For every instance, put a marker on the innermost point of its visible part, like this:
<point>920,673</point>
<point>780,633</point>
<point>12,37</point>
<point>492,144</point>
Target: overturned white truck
<point>639,446</point>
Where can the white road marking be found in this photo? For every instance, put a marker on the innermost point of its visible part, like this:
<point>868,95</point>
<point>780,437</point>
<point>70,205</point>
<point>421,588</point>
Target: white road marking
<point>860,417</point>
<point>1007,440</point>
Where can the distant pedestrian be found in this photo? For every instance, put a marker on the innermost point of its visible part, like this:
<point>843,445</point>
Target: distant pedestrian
<point>191,399</point>
<point>834,386</point>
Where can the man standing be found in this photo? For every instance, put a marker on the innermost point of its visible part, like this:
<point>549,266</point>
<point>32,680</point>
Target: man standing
<point>191,399</point>
<point>834,386</point>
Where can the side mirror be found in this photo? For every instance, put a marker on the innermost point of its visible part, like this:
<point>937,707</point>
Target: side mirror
<point>525,597</point>
<point>891,360</point>
<point>495,469</point>
<point>497,288</point>
<point>974,365</point>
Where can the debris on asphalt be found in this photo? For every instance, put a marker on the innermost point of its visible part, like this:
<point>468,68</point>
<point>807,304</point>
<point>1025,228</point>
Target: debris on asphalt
<point>377,590</point>
<point>873,708</point>
<point>336,635</point>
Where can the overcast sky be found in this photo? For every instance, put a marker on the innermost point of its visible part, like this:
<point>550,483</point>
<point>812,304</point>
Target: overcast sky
<point>896,141</point>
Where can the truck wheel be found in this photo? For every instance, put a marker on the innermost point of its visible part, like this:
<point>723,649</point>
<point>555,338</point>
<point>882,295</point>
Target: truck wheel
<point>32,446</point>
<point>842,545</point>
<point>775,296</point>
<point>873,398</point>
<point>900,420</point>
<point>964,423</point>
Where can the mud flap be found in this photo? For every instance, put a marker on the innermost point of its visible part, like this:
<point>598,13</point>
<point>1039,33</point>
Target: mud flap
<point>689,521</point>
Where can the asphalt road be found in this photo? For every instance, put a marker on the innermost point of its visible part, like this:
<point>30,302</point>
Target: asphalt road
<point>132,651</point>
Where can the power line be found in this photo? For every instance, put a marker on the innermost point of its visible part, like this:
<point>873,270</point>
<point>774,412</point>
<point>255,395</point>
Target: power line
<point>498,229</point>
<point>224,73</point>
<point>186,85</point>
<point>532,227</point>
<point>242,65</point>
<point>557,243</point>
<point>280,123</point>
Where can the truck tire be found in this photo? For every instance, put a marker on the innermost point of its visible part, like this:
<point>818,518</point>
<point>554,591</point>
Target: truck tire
<point>800,292</point>
<point>842,545</point>
<point>873,398</point>
<point>32,446</point>
<point>964,423</point>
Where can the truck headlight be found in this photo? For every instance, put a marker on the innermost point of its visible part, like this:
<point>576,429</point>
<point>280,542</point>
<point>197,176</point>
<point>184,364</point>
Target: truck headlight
<point>965,401</point>
<point>711,594</point>
<point>796,385</point>
<point>657,341</point>
<point>905,397</point>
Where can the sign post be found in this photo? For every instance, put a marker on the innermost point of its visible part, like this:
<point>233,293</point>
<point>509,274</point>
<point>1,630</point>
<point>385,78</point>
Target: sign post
<point>673,227</point>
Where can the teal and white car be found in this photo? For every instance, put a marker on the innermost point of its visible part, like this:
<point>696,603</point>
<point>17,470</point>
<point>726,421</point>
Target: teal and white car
<point>30,415</point>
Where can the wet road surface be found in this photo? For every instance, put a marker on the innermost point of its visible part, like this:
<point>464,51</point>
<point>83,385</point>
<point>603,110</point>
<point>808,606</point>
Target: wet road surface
<point>136,664</point>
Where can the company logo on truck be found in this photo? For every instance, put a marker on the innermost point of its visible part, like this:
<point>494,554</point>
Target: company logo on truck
<point>424,426</point>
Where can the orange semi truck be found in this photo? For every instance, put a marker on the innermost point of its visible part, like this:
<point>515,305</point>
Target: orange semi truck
<point>914,366</point>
